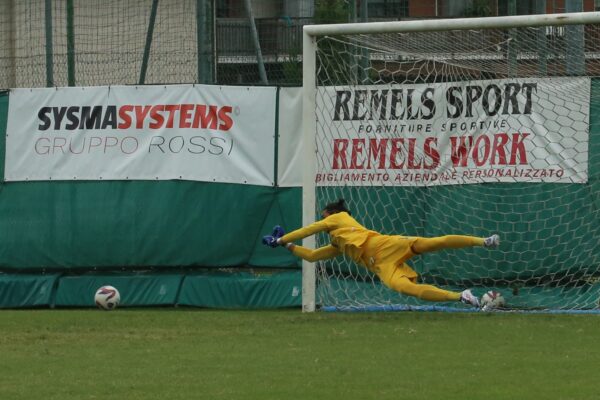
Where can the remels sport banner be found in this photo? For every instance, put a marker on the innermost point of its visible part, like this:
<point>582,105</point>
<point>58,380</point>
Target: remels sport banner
<point>521,130</point>
<point>202,133</point>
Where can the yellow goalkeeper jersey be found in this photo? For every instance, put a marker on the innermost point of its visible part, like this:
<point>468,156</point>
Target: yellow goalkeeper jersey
<point>347,235</point>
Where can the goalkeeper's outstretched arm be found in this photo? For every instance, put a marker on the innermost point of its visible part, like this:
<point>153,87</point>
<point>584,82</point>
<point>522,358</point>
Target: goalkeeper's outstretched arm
<point>309,230</point>
<point>322,253</point>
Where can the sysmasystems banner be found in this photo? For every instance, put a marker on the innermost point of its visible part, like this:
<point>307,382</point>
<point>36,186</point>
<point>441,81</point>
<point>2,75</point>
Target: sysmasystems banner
<point>191,132</point>
<point>512,130</point>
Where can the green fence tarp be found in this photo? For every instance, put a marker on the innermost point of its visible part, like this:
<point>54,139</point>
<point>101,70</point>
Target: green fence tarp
<point>70,225</point>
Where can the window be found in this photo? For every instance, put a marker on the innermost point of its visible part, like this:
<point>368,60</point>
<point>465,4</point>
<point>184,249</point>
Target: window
<point>523,7</point>
<point>466,8</point>
<point>388,8</point>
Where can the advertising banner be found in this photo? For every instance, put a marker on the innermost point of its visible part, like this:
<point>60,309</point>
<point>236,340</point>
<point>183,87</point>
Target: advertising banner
<point>191,132</point>
<point>510,130</point>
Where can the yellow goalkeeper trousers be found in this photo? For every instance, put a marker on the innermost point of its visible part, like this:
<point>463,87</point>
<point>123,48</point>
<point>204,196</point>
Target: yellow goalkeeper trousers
<point>408,286</point>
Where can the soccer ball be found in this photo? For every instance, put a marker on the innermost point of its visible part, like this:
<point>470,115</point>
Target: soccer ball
<point>492,300</point>
<point>107,298</point>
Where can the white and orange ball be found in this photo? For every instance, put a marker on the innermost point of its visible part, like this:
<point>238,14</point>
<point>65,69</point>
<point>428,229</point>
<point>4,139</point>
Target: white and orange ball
<point>492,300</point>
<point>107,298</point>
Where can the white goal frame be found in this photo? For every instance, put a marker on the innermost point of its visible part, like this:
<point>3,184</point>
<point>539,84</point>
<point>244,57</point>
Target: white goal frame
<point>310,35</point>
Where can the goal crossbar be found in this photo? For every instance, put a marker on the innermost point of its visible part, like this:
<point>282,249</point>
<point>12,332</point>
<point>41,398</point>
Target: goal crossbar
<point>436,25</point>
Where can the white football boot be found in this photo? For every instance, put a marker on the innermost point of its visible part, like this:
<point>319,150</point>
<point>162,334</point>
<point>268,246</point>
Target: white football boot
<point>492,242</point>
<point>468,297</point>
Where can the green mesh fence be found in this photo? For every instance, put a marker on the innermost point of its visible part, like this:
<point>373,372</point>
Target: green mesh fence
<point>126,42</point>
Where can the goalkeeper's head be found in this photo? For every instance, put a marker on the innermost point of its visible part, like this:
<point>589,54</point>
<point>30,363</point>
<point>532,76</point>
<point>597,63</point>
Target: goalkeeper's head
<point>336,207</point>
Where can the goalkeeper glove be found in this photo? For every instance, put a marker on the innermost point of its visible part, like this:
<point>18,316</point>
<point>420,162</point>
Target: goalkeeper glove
<point>270,241</point>
<point>277,232</point>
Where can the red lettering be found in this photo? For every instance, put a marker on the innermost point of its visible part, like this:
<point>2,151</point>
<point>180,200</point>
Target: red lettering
<point>185,113</point>
<point>171,108</point>
<point>358,145</point>
<point>518,146</point>
<point>225,118</point>
<point>125,117</point>
<point>431,152</point>
<point>479,161</point>
<point>340,146</point>
<point>205,118</point>
<point>377,151</point>
<point>395,150</point>
<point>157,117</point>
<point>412,142</point>
<point>175,115</point>
<point>460,151</point>
<point>500,140</point>
<point>140,115</point>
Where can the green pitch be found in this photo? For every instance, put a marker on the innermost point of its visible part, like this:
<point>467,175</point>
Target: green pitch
<point>198,354</point>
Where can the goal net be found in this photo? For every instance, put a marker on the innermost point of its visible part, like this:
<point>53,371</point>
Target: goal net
<point>470,126</point>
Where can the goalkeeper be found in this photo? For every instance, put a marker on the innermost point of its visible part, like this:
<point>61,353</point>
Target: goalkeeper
<point>383,255</point>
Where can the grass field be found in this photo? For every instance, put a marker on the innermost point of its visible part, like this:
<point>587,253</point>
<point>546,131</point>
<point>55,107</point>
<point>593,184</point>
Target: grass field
<point>202,354</point>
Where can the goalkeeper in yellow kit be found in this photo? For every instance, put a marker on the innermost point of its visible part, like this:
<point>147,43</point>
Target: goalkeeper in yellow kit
<point>383,255</point>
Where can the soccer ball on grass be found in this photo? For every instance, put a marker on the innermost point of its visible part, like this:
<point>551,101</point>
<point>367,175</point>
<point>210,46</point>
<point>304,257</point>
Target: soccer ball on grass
<point>492,300</point>
<point>107,298</point>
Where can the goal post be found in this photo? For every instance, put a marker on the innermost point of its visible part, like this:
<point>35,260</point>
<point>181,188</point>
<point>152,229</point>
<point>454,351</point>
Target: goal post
<point>458,126</point>
<point>308,174</point>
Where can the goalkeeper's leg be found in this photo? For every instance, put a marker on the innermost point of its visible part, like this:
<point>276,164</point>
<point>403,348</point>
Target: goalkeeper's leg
<point>425,245</point>
<point>402,278</point>
<point>408,287</point>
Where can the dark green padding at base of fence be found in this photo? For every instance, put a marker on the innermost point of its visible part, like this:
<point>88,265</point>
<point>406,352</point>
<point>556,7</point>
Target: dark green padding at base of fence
<point>18,291</point>
<point>210,289</point>
<point>135,289</point>
<point>242,290</point>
